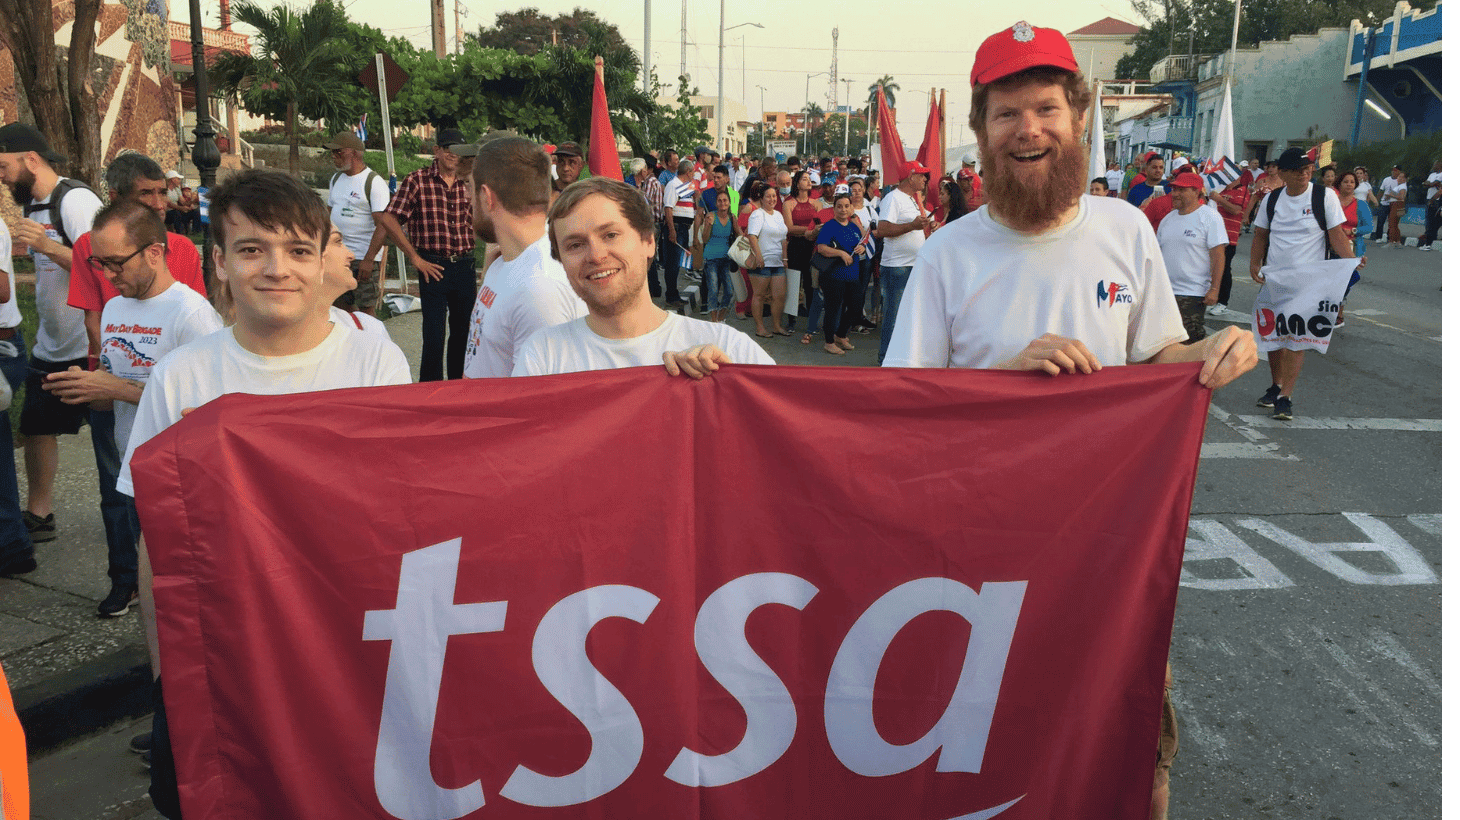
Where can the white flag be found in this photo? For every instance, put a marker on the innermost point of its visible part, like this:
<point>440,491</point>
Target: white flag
<point>1297,306</point>
<point>1097,140</point>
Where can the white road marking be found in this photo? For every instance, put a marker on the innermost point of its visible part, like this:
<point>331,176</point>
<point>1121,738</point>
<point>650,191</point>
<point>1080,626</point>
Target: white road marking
<point>1360,706</point>
<point>1410,567</point>
<point>1349,665</point>
<point>1320,423</point>
<point>1430,523</point>
<point>1259,445</point>
<point>1385,645</point>
<point>1364,312</point>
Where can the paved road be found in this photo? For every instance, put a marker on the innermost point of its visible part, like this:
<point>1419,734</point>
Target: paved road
<point>1307,640</point>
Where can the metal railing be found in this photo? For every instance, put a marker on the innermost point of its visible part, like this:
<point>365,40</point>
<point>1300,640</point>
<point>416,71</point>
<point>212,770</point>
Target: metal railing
<point>1174,67</point>
<point>226,40</point>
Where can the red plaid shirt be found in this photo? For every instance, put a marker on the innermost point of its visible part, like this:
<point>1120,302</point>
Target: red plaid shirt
<point>436,218</point>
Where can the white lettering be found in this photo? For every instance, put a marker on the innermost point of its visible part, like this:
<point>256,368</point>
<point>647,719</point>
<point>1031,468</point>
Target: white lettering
<point>423,618</point>
<point>1410,566</point>
<point>1219,544</point>
<point>962,732</point>
<point>770,714</point>
<point>560,657</point>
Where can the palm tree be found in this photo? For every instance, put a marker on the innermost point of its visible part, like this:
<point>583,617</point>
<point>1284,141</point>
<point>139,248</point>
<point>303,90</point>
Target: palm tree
<point>889,91</point>
<point>298,66</point>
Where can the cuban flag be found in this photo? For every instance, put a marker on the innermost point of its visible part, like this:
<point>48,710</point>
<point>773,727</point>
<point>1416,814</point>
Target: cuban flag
<point>360,128</point>
<point>1223,173</point>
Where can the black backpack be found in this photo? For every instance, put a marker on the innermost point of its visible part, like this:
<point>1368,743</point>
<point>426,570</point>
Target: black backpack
<point>1320,213</point>
<point>54,206</point>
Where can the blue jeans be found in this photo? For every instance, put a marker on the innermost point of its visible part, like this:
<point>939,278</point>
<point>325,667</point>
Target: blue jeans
<point>894,282</point>
<point>719,291</point>
<point>453,294</point>
<point>814,301</point>
<point>118,510</point>
<point>14,540</point>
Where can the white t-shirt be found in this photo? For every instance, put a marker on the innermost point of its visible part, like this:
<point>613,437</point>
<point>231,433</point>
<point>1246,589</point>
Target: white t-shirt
<point>1435,177</point>
<point>738,176</point>
<point>1186,244</point>
<point>216,364</point>
<point>868,214</point>
<point>137,333</point>
<point>1295,237</point>
<point>898,208</point>
<point>1386,189</point>
<point>1362,191</point>
<point>770,231</point>
<point>351,213</point>
<point>517,299</point>
<point>358,320</point>
<point>680,196</point>
<point>10,309</point>
<point>1099,279</point>
<point>61,335</point>
<point>572,347</point>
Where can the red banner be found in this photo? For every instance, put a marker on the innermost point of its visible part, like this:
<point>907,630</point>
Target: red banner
<point>893,160</point>
<point>780,592</point>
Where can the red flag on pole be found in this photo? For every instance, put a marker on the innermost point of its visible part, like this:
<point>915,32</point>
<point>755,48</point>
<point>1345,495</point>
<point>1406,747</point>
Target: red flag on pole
<point>602,147</point>
<point>892,156</point>
<point>931,153</point>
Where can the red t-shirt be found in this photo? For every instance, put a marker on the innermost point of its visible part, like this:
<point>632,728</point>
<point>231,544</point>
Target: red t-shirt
<point>1237,196</point>
<point>1157,210</point>
<point>90,289</point>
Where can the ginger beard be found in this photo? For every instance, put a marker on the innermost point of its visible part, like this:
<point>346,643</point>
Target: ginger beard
<point>1023,196</point>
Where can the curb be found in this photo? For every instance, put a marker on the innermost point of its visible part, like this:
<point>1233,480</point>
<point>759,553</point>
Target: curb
<point>85,700</point>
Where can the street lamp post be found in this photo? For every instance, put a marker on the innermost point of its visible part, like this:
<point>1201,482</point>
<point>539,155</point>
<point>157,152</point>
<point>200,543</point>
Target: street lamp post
<point>806,112</point>
<point>205,150</point>
<point>847,119</point>
<point>720,101</point>
<point>762,118</point>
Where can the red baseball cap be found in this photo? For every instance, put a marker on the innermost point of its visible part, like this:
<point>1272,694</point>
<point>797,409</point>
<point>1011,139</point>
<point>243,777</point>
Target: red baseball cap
<point>1019,47</point>
<point>1150,155</point>
<point>915,167</point>
<point>1186,179</point>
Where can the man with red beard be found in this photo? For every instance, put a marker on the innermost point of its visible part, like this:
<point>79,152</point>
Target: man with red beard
<point>1080,276</point>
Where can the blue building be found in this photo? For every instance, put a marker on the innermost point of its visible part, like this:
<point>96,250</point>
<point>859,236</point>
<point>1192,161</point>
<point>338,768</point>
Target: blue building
<point>1404,70</point>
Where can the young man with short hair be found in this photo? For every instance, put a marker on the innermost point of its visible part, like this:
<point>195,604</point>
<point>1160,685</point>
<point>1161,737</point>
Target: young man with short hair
<point>1099,187</point>
<point>524,290</point>
<point>152,315</point>
<point>603,233</point>
<point>270,232</point>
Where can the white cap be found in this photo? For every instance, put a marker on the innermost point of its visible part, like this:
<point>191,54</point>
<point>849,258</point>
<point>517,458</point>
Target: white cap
<point>971,158</point>
<point>173,175</point>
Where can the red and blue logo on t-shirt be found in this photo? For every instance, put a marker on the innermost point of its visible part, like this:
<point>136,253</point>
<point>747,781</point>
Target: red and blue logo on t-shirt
<point>1113,295</point>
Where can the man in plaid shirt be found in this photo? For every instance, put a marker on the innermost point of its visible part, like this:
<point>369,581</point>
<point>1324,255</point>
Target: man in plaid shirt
<point>434,205</point>
<point>654,193</point>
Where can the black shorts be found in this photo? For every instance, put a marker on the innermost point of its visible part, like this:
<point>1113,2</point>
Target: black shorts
<point>43,414</point>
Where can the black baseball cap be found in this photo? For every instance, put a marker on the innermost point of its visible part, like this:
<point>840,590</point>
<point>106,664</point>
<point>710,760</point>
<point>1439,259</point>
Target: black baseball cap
<point>447,137</point>
<point>1293,159</point>
<point>19,137</point>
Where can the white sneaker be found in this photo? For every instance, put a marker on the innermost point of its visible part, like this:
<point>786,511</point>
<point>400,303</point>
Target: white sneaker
<point>1219,309</point>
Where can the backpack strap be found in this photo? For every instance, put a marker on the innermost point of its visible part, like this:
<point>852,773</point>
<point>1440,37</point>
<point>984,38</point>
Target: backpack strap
<point>370,177</point>
<point>53,206</point>
<point>1320,213</point>
<point>358,324</point>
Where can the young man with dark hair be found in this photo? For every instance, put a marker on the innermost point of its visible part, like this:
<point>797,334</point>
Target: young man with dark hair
<point>57,211</point>
<point>270,232</point>
<point>603,233</point>
<point>1099,187</point>
<point>1080,276</point>
<point>152,315</point>
<point>524,290</point>
<point>430,219</point>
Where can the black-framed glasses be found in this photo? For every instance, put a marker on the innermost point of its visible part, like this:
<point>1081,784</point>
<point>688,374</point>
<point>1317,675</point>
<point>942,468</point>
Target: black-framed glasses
<point>116,265</point>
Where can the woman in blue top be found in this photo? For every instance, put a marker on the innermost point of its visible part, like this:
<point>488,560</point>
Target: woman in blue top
<point>843,241</point>
<point>719,231</point>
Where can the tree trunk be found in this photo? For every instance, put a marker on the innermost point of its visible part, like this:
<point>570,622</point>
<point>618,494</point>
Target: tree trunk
<point>291,129</point>
<point>28,28</point>
<point>85,113</point>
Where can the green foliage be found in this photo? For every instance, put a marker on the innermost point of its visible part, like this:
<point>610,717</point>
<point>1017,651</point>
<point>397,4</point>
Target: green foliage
<point>1205,26</point>
<point>405,162</point>
<point>529,32</point>
<point>301,59</point>
<point>680,126</point>
<point>755,142</point>
<point>1414,154</point>
<point>828,137</point>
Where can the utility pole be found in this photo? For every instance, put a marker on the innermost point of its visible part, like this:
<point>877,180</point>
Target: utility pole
<point>647,67</point>
<point>720,86</point>
<point>683,37</point>
<point>847,118</point>
<point>831,85</point>
<point>438,27</point>
<point>459,47</point>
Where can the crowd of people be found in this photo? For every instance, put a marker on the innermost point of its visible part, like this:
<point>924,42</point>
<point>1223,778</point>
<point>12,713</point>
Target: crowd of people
<point>996,270</point>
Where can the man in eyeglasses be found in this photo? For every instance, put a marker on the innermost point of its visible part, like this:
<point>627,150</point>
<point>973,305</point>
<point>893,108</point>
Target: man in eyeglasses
<point>130,178</point>
<point>357,198</point>
<point>152,314</point>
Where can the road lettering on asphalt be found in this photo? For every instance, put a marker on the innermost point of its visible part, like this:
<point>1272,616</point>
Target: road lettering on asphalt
<point>1218,559</point>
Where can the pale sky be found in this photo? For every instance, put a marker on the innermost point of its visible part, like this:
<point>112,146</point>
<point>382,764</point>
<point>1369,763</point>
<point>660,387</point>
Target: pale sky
<point>932,45</point>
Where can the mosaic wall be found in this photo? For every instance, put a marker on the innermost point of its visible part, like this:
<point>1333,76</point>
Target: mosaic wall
<point>132,78</point>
